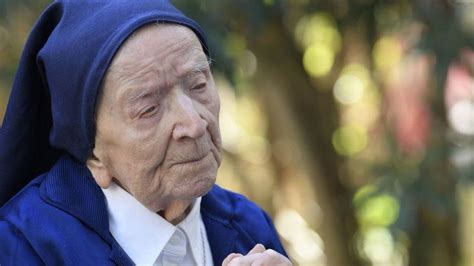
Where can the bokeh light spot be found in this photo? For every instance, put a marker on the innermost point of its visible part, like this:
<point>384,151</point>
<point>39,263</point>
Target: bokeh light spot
<point>461,117</point>
<point>378,245</point>
<point>248,63</point>
<point>318,60</point>
<point>348,89</point>
<point>268,2</point>
<point>382,210</point>
<point>306,245</point>
<point>235,44</point>
<point>363,193</point>
<point>387,52</point>
<point>350,140</point>
<point>318,28</point>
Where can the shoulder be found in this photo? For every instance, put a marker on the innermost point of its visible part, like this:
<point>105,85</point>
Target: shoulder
<point>251,221</point>
<point>15,248</point>
<point>48,201</point>
<point>37,228</point>
<point>27,210</point>
<point>229,205</point>
<point>24,204</point>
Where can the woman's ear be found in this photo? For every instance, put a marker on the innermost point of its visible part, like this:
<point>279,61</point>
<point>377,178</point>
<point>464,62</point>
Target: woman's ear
<point>99,171</point>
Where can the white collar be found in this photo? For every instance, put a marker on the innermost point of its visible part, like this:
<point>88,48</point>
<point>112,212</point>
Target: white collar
<point>142,233</point>
<point>193,227</point>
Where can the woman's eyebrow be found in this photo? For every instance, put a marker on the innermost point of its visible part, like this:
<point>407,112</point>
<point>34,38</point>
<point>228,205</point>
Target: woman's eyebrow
<point>201,65</point>
<point>135,95</point>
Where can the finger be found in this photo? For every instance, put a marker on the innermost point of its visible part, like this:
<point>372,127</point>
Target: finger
<point>271,257</point>
<point>259,248</point>
<point>238,259</point>
<point>230,257</point>
<point>246,260</point>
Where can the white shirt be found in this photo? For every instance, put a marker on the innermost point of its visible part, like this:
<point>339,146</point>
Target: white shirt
<point>148,239</point>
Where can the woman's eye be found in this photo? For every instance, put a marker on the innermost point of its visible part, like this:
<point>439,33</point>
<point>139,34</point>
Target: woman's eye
<point>148,111</point>
<point>200,86</point>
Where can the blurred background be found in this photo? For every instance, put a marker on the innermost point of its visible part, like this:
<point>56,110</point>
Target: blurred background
<point>350,121</point>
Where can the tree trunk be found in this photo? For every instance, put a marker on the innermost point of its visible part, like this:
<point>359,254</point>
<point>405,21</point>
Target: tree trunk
<point>315,114</point>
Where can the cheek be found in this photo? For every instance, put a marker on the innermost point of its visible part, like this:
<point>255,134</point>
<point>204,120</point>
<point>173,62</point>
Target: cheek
<point>217,107</point>
<point>212,116</point>
<point>138,150</point>
<point>148,145</point>
<point>213,103</point>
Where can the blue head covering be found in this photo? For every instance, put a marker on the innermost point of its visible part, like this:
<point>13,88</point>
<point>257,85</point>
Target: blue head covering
<point>52,102</point>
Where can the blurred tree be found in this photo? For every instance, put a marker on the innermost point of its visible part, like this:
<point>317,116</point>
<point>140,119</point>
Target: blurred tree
<point>263,27</point>
<point>435,232</point>
<point>268,30</point>
<point>354,91</point>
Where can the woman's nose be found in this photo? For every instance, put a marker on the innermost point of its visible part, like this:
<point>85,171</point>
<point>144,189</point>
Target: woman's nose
<point>188,121</point>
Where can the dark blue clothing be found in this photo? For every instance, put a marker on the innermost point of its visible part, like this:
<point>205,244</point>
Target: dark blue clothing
<point>61,218</point>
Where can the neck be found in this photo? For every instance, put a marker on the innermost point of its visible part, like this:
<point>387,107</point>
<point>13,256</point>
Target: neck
<point>176,211</point>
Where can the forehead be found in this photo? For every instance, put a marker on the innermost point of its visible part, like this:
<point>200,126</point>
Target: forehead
<point>155,56</point>
<point>160,45</point>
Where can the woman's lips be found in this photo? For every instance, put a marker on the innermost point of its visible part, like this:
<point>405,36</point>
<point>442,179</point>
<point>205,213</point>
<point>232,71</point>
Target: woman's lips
<point>193,159</point>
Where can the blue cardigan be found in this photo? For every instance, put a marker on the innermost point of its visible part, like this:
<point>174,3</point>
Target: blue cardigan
<point>60,218</point>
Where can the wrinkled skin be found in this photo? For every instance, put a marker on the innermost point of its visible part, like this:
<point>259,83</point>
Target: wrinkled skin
<point>157,121</point>
<point>257,256</point>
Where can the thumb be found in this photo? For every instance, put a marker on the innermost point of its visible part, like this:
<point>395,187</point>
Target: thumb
<point>230,257</point>
<point>259,248</point>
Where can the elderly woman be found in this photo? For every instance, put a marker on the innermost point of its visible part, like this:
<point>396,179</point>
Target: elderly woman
<point>115,110</point>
